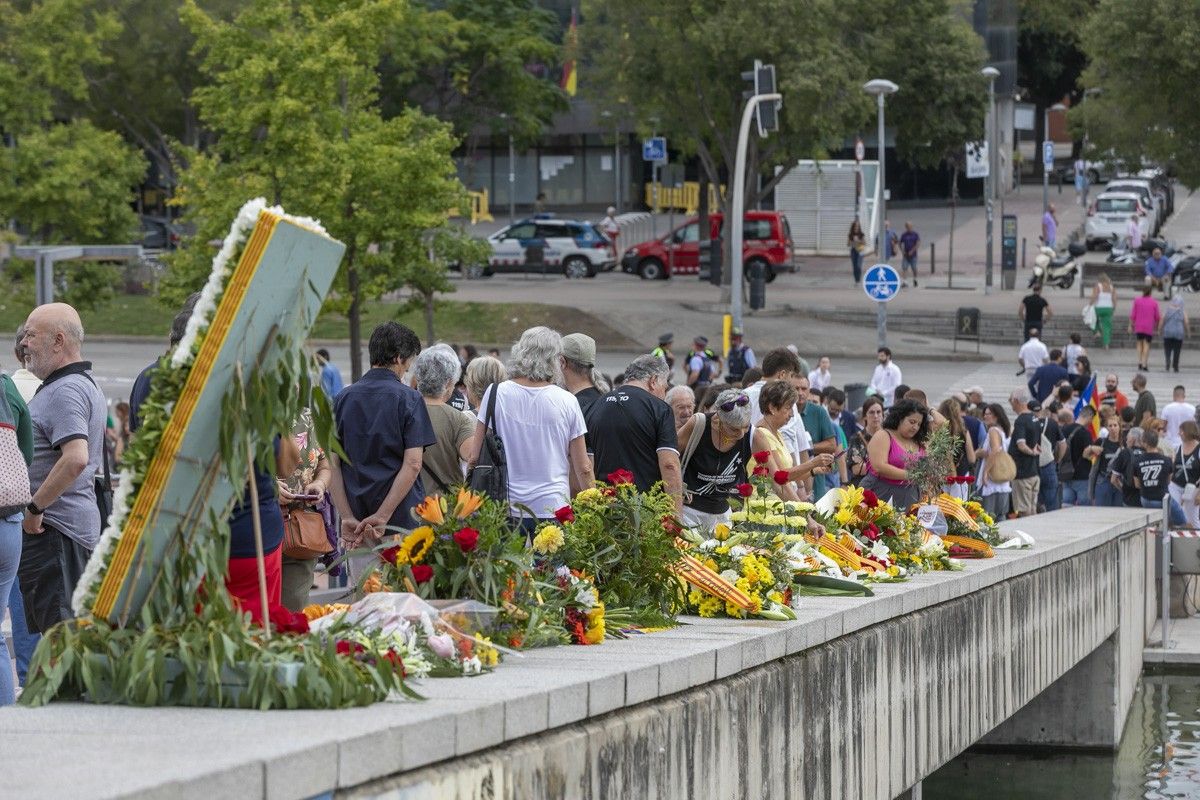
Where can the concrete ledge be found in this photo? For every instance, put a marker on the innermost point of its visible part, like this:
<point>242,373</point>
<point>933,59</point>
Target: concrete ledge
<point>181,753</point>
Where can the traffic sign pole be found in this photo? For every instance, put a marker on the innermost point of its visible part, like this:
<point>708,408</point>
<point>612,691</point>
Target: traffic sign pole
<point>1047,165</point>
<point>881,283</point>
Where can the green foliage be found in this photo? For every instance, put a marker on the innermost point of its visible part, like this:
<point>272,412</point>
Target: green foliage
<point>1050,58</point>
<point>71,183</point>
<point>292,96</point>
<point>929,471</point>
<point>1142,67</point>
<point>466,63</point>
<point>676,66</point>
<point>620,540</point>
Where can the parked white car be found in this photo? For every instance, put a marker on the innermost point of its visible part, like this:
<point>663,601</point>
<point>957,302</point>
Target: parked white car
<point>1146,192</point>
<point>577,249</point>
<point>1109,214</point>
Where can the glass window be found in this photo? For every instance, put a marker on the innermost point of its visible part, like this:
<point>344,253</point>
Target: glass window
<point>561,175</point>
<point>688,233</point>
<point>1114,205</point>
<point>525,230</point>
<point>545,231</point>
<point>756,230</point>
<point>524,177</point>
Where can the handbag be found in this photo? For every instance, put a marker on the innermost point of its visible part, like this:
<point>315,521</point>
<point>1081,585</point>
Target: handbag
<point>1066,465</point>
<point>489,476</point>
<point>1189,488</point>
<point>14,474</point>
<point>304,533</point>
<point>1089,316</point>
<point>1046,454</point>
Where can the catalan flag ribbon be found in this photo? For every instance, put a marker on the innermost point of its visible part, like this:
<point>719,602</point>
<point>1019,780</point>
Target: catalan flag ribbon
<point>570,72</point>
<point>1088,398</point>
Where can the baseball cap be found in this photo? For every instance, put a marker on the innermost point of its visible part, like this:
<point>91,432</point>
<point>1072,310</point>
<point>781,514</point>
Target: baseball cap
<point>701,340</point>
<point>580,348</point>
<point>735,332</point>
<point>666,338</point>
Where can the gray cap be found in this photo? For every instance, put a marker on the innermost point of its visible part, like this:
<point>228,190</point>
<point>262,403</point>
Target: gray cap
<point>580,348</point>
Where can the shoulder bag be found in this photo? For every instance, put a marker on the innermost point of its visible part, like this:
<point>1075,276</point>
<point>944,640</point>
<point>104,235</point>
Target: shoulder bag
<point>699,428</point>
<point>1066,464</point>
<point>1189,487</point>
<point>1046,456</point>
<point>304,532</point>
<point>14,474</point>
<point>489,476</point>
<point>1001,468</point>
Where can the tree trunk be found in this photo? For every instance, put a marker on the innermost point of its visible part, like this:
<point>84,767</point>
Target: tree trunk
<point>429,338</point>
<point>354,315</point>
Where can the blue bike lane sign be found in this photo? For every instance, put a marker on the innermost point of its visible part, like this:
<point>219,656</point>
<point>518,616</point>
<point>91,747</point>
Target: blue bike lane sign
<point>881,282</point>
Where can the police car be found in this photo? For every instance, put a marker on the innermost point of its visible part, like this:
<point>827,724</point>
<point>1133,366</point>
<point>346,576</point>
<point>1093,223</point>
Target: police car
<point>577,249</point>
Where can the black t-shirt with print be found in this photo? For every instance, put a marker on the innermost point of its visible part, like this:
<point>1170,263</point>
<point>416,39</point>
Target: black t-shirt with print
<point>712,476</point>
<point>1187,467</point>
<point>626,429</point>
<point>1122,464</point>
<point>1153,469</point>
<point>1028,428</point>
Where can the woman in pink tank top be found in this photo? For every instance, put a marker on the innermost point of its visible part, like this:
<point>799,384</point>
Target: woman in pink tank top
<point>901,439</point>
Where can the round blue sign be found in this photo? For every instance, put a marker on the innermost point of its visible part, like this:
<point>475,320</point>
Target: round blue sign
<point>881,282</point>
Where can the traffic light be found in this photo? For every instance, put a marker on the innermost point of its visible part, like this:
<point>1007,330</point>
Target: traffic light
<point>767,113</point>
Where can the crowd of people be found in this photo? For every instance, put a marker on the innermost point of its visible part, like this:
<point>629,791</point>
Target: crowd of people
<point>547,424</point>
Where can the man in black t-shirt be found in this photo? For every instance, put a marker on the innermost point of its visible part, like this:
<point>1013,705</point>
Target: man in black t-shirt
<point>1034,310</point>
<point>578,362</point>
<point>1048,496</point>
<point>1024,447</point>
<point>1074,465</point>
<point>1151,474</point>
<point>1122,467</point>
<point>632,428</point>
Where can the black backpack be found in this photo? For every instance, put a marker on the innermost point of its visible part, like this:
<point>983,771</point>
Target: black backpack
<point>489,476</point>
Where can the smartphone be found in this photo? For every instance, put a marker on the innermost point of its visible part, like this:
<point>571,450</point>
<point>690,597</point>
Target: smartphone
<point>307,497</point>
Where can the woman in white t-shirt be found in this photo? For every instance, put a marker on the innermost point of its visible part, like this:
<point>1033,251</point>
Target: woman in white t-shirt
<point>542,430</point>
<point>996,494</point>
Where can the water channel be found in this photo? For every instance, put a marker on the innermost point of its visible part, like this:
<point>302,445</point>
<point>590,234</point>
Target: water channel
<point>1159,757</point>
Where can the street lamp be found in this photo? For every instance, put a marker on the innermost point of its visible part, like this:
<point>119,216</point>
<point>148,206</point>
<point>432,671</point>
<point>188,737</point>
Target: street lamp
<point>881,88</point>
<point>989,187</point>
<point>1046,167</point>
<point>512,173</point>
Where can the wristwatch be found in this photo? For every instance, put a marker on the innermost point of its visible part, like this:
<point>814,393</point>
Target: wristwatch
<point>33,509</point>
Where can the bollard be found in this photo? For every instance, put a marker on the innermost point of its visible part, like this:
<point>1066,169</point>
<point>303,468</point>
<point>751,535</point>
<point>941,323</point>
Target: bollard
<point>1165,583</point>
<point>932,257</point>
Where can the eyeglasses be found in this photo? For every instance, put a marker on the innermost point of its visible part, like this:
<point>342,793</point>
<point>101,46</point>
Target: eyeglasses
<point>740,400</point>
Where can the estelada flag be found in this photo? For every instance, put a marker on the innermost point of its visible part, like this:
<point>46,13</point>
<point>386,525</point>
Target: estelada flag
<point>1088,398</point>
<point>570,73</point>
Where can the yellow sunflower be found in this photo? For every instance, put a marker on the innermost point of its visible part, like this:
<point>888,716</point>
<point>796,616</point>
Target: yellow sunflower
<point>415,546</point>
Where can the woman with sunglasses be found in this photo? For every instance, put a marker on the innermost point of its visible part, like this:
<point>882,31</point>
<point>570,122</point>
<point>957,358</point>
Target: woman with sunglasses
<point>718,461</point>
<point>901,439</point>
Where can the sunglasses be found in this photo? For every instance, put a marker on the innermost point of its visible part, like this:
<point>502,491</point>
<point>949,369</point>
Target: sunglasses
<point>740,400</point>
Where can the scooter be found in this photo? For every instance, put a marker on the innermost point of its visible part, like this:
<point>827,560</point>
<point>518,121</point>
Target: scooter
<point>1060,271</point>
<point>1186,276</point>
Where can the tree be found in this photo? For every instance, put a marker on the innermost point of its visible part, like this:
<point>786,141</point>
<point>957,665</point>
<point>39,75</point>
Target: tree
<point>427,277</point>
<point>292,101</point>
<point>467,62</point>
<point>1137,84</point>
<point>677,66</point>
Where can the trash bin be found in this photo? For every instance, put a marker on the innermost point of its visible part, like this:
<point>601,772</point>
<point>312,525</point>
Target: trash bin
<point>856,395</point>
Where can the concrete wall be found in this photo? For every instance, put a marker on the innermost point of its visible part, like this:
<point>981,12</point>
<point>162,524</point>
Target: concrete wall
<point>866,715</point>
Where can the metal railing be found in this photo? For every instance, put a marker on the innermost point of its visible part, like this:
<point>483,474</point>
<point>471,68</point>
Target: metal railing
<point>685,198</point>
<point>636,227</point>
<point>480,211</point>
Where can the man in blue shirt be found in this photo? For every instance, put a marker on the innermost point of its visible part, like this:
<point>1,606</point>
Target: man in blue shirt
<point>1048,376</point>
<point>384,428</point>
<point>1158,271</point>
<point>331,378</point>
<point>819,428</point>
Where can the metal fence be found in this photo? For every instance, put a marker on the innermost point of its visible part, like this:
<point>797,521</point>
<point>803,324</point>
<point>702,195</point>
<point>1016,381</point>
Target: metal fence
<point>636,227</point>
<point>821,198</point>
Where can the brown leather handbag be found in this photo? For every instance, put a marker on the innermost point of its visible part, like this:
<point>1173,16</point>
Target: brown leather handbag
<point>304,533</point>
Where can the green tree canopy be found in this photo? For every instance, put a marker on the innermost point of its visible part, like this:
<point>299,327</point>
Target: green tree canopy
<point>1142,73</point>
<point>292,101</point>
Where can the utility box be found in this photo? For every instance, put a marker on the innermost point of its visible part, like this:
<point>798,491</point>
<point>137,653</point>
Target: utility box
<point>1008,252</point>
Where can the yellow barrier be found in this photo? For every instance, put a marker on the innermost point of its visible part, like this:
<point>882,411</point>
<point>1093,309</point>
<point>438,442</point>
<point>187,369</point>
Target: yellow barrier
<point>479,207</point>
<point>685,198</point>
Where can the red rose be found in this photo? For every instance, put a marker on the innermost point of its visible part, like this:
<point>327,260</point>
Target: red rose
<point>565,514</point>
<point>345,648</point>
<point>619,477</point>
<point>761,456</point>
<point>286,621</point>
<point>968,479</point>
<point>610,492</point>
<point>871,532</point>
<point>389,555</point>
<point>394,657</point>
<point>466,539</point>
<point>782,477</point>
<point>745,489</point>
<point>870,499</point>
<point>422,573</point>
<point>761,472</point>
<point>670,525</point>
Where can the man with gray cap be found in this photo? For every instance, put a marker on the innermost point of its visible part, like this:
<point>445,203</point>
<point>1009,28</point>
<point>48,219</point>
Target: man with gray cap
<point>632,428</point>
<point>663,350</point>
<point>578,362</point>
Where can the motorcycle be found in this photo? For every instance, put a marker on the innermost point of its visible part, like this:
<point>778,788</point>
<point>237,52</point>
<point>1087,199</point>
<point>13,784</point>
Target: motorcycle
<point>1050,267</point>
<point>1186,276</point>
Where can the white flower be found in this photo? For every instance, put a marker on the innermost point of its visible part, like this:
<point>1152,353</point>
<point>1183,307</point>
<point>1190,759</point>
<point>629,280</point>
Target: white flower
<point>738,551</point>
<point>563,572</point>
<point>828,504</point>
<point>708,545</point>
<point>730,576</point>
<point>585,597</point>
<point>880,550</point>
<point>472,666</point>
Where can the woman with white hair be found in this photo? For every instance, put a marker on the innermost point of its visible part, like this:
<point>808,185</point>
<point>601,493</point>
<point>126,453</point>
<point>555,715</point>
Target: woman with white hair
<point>717,465</point>
<point>541,428</point>
<point>435,374</point>
<point>482,372</point>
